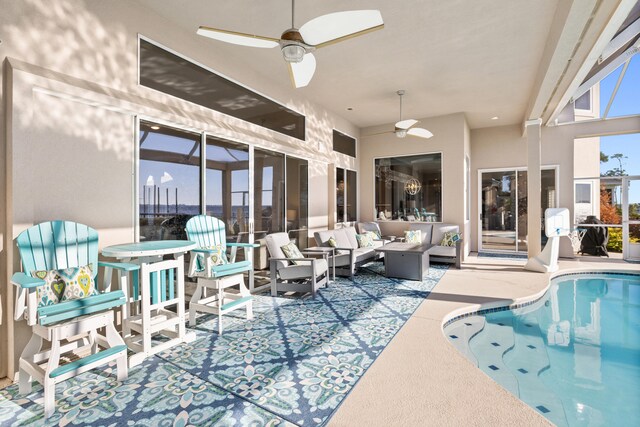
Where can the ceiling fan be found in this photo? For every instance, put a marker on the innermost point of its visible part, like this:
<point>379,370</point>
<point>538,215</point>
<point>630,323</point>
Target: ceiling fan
<point>297,44</point>
<point>405,127</point>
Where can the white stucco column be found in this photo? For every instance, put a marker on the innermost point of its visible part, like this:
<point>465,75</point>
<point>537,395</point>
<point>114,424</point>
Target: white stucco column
<point>534,186</point>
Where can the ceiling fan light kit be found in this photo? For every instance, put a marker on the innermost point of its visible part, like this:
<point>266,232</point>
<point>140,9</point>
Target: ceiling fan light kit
<point>297,45</point>
<point>406,127</point>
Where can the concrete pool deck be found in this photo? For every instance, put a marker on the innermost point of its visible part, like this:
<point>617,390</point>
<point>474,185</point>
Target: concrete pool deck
<point>420,379</point>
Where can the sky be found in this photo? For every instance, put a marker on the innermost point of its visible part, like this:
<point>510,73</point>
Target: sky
<point>626,102</point>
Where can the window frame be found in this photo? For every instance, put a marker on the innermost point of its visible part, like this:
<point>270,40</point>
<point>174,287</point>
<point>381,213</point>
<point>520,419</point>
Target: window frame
<point>346,194</point>
<point>355,143</point>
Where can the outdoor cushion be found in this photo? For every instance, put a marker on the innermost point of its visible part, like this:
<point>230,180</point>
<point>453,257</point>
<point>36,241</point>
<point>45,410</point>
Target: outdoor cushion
<point>52,291</point>
<point>343,240</point>
<point>290,250</point>
<point>340,260</point>
<point>363,254</point>
<point>78,283</point>
<point>413,236</point>
<point>370,227</point>
<point>302,271</point>
<point>218,257</point>
<point>450,238</point>
<point>351,234</point>
<point>443,251</point>
<point>426,229</point>
<point>322,237</point>
<point>364,240</point>
<point>440,229</point>
<point>274,242</point>
<point>332,242</point>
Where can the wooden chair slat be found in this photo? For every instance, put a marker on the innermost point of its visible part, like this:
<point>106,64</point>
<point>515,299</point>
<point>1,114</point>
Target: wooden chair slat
<point>66,244</point>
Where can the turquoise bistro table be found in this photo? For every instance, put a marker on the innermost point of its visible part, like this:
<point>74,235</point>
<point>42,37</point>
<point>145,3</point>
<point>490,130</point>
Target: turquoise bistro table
<point>161,285</point>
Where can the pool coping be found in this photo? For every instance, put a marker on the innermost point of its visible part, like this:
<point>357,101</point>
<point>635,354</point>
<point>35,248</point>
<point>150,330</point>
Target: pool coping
<point>504,305</point>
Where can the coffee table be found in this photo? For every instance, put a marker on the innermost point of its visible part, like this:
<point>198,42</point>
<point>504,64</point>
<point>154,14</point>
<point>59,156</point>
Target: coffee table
<point>406,260</point>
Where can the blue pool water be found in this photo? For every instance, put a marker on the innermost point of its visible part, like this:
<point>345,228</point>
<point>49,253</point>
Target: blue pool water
<point>574,356</point>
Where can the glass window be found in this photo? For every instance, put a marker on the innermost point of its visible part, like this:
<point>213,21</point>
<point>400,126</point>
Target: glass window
<point>344,144</point>
<point>298,201</point>
<point>583,193</point>
<point>340,186</point>
<point>169,73</point>
<point>467,187</point>
<point>227,184</point>
<point>409,188</point>
<point>269,192</point>
<point>169,181</point>
<point>352,196</point>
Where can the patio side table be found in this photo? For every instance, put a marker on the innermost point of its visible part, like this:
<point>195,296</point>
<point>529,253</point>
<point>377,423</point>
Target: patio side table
<point>327,253</point>
<point>161,285</point>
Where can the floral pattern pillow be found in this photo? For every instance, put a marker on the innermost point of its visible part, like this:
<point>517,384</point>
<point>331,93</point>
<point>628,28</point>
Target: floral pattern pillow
<point>450,238</point>
<point>219,255</point>
<point>332,242</point>
<point>52,291</point>
<point>364,240</point>
<point>291,251</point>
<point>413,236</point>
<point>78,283</point>
<point>374,235</point>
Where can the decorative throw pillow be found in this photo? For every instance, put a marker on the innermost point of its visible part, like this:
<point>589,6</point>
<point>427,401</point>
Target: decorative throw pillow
<point>78,283</point>
<point>332,242</point>
<point>450,238</point>
<point>413,236</point>
<point>364,240</point>
<point>219,255</point>
<point>373,234</point>
<point>53,289</point>
<point>291,251</point>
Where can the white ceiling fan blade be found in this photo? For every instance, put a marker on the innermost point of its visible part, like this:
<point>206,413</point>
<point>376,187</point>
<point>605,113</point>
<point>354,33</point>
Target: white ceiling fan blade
<point>241,39</point>
<point>406,124</point>
<point>302,72</point>
<point>419,132</point>
<point>335,27</point>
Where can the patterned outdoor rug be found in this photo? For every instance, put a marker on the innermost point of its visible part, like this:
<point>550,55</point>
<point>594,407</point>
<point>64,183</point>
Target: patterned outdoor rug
<point>293,364</point>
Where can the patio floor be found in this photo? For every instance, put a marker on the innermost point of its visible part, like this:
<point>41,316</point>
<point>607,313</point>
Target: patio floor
<point>294,363</point>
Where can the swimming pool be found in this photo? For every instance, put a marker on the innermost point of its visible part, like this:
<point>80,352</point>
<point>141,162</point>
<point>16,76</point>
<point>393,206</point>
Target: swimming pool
<point>573,355</point>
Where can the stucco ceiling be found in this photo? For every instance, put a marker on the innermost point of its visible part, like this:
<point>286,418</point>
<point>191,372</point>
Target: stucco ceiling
<point>479,57</point>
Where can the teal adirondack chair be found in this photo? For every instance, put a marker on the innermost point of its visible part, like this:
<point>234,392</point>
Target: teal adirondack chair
<point>208,233</point>
<point>60,245</point>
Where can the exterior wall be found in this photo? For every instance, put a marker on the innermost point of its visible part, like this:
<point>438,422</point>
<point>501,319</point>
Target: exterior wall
<point>69,74</point>
<point>451,137</point>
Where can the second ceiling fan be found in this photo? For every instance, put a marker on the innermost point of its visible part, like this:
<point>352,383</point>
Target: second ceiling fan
<point>406,127</point>
<point>297,44</point>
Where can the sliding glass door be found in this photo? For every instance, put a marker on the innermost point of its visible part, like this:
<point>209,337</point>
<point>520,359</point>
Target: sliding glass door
<point>503,211</point>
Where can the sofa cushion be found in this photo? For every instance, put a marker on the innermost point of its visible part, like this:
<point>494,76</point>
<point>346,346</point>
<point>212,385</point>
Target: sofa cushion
<point>426,230</point>
<point>343,239</point>
<point>363,254</point>
<point>322,237</point>
<point>302,271</point>
<point>364,240</point>
<point>439,230</point>
<point>351,235</point>
<point>340,259</point>
<point>373,227</point>
<point>442,251</point>
<point>276,241</point>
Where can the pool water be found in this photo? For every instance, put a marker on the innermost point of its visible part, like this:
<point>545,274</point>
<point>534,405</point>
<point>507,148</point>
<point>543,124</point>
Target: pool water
<point>574,355</point>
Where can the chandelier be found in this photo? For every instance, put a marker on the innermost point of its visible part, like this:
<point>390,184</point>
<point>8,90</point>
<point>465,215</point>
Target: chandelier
<point>412,186</point>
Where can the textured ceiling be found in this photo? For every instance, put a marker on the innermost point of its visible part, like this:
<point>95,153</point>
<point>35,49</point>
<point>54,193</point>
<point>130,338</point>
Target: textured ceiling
<point>479,57</point>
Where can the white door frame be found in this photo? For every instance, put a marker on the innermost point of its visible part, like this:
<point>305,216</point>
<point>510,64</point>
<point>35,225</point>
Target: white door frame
<point>515,169</point>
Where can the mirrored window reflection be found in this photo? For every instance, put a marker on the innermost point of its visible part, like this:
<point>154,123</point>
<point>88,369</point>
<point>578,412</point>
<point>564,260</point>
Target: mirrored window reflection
<point>352,196</point>
<point>268,192</point>
<point>344,144</point>
<point>227,184</point>
<point>298,201</point>
<point>169,181</point>
<point>340,186</point>
<point>409,188</point>
<point>171,74</point>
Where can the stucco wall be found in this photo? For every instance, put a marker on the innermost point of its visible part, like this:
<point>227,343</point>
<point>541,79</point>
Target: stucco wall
<point>71,70</point>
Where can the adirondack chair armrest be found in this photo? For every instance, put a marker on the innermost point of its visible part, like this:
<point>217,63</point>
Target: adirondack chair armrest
<point>244,245</point>
<point>124,266</point>
<point>204,251</point>
<point>26,282</point>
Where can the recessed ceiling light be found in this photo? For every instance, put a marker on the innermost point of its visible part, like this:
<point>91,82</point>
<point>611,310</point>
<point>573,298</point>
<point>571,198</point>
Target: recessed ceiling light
<point>349,108</point>
<point>155,127</point>
<point>495,118</point>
